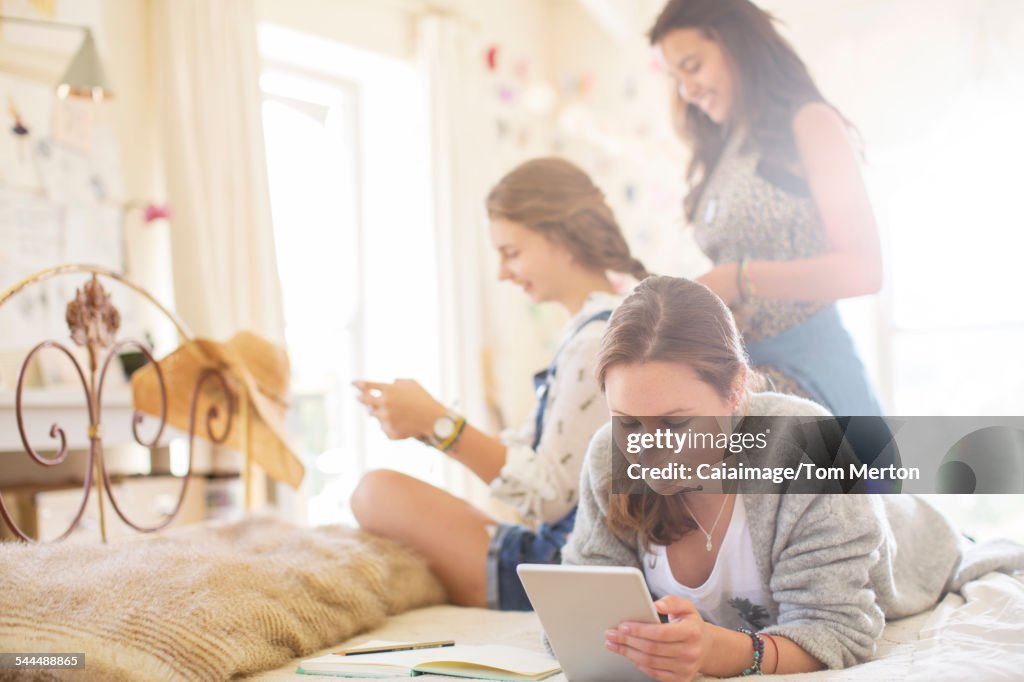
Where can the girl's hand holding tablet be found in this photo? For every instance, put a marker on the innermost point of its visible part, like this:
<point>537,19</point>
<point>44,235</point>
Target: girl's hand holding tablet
<point>675,650</point>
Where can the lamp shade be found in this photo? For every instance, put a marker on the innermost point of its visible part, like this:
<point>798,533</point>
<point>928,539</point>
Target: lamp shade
<point>85,76</point>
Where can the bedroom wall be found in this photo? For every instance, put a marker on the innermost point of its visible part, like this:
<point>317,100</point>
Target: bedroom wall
<point>387,25</point>
<point>609,117</point>
<point>618,128</point>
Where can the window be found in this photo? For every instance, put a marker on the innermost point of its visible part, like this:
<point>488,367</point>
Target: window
<point>348,168</point>
<point>953,323</point>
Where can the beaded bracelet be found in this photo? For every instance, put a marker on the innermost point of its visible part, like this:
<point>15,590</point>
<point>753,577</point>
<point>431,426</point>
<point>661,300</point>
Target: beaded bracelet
<point>749,281</point>
<point>755,667</point>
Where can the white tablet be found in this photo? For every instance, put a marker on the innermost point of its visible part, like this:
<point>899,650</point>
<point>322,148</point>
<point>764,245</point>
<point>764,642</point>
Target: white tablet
<point>576,604</point>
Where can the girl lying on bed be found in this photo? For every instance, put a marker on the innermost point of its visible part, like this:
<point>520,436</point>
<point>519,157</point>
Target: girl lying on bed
<point>806,581</point>
<point>556,238</point>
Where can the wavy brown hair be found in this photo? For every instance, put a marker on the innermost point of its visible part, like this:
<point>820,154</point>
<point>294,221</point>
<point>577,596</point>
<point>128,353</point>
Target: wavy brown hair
<point>554,197</point>
<point>670,319</point>
<point>773,83</point>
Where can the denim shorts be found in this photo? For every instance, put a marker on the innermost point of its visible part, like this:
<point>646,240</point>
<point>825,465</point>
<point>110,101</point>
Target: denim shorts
<point>513,544</point>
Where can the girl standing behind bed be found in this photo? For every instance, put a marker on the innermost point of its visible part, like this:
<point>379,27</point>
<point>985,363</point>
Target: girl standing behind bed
<point>781,583</point>
<point>556,238</point>
<point>777,201</point>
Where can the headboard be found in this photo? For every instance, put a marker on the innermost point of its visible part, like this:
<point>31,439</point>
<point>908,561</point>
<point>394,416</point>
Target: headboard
<point>93,323</point>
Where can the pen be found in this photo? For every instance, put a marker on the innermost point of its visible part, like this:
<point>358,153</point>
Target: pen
<point>402,647</point>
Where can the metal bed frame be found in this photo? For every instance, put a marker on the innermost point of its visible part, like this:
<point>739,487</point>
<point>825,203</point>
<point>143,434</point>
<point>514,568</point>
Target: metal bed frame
<point>93,322</point>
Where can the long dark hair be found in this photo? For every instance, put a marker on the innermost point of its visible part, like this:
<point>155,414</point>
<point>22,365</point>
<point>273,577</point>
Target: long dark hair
<point>773,83</point>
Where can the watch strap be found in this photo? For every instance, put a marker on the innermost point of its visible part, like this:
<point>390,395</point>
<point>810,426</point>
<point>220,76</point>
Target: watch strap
<point>447,443</point>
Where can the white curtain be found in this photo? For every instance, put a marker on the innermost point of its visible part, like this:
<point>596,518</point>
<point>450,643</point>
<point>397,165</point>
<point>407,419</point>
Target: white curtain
<point>450,55</point>
<point>207,80</point>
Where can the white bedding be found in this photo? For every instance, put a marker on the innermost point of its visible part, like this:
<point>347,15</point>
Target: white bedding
<point>976,635</point>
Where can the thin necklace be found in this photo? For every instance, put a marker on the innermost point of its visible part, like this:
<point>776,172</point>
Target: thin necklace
<point>713,526</point>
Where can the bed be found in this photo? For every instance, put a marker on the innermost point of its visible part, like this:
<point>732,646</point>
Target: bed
<point>978,635</point>
<point>252,598</point>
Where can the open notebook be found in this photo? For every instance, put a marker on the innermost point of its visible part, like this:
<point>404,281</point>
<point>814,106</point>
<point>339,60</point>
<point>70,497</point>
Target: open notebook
<point>492,662</point>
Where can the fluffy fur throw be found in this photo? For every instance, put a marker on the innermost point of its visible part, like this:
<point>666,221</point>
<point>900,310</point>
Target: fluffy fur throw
<point>204,602</point>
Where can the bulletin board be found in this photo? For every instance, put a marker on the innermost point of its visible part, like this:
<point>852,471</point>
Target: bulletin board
<point>62,196</point>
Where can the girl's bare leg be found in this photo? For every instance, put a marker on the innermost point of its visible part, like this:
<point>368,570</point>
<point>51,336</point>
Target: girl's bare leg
<point>448,532</point>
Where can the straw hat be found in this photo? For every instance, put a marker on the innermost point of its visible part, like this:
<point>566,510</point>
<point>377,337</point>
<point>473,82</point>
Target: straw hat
<point>248,363</point>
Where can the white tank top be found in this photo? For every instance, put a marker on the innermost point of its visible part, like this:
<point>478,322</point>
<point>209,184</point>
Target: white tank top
<point>732,596</point>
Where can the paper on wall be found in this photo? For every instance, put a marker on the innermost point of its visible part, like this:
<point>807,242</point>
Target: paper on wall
<point>105,154</point>
<point>73,121</point>
<point>34,105</point>
<point>30,240</point>
<point>93,235</point>
<point>68,176</point>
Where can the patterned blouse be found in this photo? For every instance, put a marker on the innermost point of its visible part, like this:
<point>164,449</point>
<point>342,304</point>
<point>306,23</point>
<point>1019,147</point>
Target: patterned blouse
<point>759,210</point>
<point>543,484</point>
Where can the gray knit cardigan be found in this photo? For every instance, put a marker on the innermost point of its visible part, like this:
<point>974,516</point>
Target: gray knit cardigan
<point>835,566</point>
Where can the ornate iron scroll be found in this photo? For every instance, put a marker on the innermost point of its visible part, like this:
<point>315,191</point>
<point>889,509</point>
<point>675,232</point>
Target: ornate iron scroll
<point>93,322</point>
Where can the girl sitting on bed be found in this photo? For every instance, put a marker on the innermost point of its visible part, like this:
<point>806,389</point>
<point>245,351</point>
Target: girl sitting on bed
<point>804,581</point>
<point>556,238</point>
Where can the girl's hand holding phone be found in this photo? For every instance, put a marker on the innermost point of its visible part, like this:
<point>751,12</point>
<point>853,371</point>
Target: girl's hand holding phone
<point>670,652</point>
<point>404,408</point>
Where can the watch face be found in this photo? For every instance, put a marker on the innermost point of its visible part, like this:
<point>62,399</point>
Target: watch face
<point>444,427</point>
